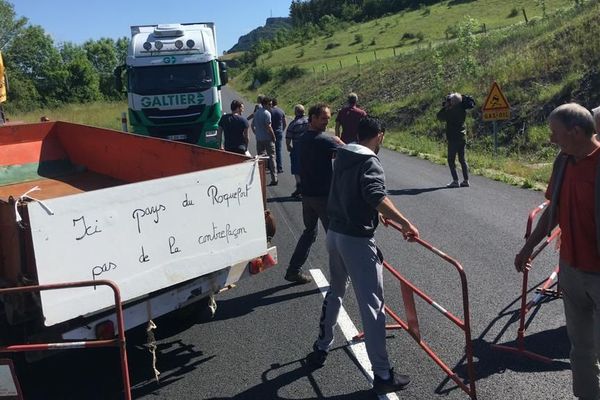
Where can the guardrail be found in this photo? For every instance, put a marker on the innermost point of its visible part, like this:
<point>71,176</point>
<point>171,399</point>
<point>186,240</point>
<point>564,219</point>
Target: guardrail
<point>119,341</point>
<point>411,325</point>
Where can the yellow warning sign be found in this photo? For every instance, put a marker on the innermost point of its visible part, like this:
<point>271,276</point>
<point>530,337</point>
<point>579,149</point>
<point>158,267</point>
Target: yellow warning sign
<point>496,106</point>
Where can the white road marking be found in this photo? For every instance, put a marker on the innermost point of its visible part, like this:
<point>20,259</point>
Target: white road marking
<point>349,330</point>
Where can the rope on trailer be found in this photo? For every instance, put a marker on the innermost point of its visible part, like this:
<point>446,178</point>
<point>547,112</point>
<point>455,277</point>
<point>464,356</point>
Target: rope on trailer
<point>152,347</point>
<point>25,196</point>
<point>255,160</point>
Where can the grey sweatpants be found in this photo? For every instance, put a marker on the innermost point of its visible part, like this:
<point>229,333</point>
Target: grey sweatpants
<point>581,297</point>
<point>356,258</point>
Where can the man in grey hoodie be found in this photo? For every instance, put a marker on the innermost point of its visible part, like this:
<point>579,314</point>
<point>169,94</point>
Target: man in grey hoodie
<point>356,201</point>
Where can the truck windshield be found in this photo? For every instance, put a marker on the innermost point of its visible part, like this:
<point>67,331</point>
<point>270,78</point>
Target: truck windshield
<point>171,78</point>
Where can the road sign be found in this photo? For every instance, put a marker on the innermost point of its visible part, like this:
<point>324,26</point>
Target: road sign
<point>496,106</point>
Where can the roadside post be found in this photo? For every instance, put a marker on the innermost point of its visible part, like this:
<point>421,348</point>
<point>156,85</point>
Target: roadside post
<point>495,108</point>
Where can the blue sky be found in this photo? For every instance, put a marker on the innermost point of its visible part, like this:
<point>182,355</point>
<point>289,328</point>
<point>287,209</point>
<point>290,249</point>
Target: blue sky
<point>79,20</point>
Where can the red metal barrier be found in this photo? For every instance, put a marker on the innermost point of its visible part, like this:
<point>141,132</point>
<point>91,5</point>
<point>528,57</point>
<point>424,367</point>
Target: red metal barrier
<point>119,341</point>
<point>542,292</point>
<point>411,325</point>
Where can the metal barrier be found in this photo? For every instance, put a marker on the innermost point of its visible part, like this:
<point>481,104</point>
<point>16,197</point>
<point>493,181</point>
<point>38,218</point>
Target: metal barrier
<point>411,325</point>
<point>118,341</point>
<point>542,292</point>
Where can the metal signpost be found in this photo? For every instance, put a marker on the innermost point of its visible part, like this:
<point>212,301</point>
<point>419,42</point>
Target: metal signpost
<point>495,108</point>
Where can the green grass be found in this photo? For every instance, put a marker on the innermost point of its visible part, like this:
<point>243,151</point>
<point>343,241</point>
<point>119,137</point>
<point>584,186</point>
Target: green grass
<point>539,65</point>
<point>387,33</point>
<point>101,114</point>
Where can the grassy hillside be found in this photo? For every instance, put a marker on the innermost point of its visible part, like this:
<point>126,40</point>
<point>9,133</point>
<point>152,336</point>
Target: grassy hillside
<point>551,60</point>
<point>406,31</point>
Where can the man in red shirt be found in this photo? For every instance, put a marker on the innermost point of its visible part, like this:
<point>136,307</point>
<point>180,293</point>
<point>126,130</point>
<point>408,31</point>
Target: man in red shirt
<point>574,194</point>
<point>347,119</point>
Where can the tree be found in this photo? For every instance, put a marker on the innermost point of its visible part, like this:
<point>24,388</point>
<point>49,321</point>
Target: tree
<point>32,56</point>
<point>9,26</point>
<point>102,54</point>
<point>82,81</point>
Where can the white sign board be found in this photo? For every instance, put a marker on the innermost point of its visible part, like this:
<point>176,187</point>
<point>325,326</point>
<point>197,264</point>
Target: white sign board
<point>145,236</point>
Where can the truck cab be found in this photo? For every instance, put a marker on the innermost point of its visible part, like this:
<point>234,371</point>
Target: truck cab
<point>173,82</point>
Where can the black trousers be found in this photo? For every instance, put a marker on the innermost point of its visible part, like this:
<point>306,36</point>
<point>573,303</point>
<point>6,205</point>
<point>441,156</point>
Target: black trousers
<point>457,148</point>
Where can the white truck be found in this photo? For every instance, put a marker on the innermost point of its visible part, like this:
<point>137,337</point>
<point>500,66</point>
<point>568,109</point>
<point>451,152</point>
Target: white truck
<point>173,82</point>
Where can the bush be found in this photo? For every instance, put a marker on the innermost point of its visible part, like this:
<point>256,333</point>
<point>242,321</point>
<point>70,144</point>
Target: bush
<point>331,46</point>
<point>262,74</point>
<point>513,13</point>
<point>408,35</point>
<point>358,38</point>
<point>288,73</point>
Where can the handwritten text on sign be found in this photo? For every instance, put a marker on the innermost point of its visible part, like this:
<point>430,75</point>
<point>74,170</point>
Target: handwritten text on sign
<point>145,236</point>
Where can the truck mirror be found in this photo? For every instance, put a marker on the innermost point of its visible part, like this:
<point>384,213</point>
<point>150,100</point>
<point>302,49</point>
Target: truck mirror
<point>118,78</point>
<point>223,73</point>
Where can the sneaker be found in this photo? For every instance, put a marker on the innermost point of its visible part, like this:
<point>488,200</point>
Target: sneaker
<point>317,357</point>
<point>297,277</point>
<point>273,183</point>
<point>464,184</point>
<point>453,184</point>
<point>392,384</point>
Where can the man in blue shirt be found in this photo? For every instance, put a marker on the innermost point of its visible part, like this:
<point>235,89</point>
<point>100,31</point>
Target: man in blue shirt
<point>265,136</point>
<point>233,128</point>
<point>279,124</point>
<point>316,151</point>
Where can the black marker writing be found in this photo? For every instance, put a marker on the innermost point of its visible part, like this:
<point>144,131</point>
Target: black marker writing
<point>140,213</point>
<point>219,198</point>
<point>172,248</point>
<point>227,233</point>
<point>144,257</point>
<point>187,202</point>
<point>86,230</point>
<point>100,269</point>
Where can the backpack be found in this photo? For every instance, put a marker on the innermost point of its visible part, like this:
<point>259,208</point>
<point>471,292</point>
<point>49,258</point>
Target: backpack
<point>468,102</point>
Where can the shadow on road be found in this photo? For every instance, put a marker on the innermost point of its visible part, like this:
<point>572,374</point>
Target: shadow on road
<point>413,192</point>
<point>488,361</point>
<point>269,388</point>
<point>242,305</point>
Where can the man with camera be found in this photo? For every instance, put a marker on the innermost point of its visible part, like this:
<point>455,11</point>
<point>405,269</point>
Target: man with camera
<point>454,112</point>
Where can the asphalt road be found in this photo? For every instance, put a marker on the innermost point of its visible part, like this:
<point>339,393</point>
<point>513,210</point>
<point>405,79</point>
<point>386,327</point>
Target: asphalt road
<point>255,346</point>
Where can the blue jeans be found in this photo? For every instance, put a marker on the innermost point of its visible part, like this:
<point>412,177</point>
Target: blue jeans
<point>279,139</point>
<point>313,210</point>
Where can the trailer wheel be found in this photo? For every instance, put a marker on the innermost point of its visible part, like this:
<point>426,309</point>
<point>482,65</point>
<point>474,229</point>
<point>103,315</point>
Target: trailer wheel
<point>201,311</point>
<point>207,308</point>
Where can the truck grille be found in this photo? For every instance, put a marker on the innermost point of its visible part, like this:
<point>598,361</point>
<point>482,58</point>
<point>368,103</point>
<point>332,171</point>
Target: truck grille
<point>161,117</point>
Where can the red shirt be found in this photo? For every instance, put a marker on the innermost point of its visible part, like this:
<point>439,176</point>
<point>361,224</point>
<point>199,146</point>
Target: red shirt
<point>576,215</point>
<point>348,117</point>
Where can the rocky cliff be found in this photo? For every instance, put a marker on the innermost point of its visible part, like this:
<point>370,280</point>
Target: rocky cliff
<point>268,31</point>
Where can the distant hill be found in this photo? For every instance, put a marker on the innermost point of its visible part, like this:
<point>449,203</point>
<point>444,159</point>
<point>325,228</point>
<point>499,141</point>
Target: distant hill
<point>268,31</point>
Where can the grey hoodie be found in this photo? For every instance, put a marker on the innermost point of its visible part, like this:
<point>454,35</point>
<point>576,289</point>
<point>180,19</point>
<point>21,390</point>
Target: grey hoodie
<point>357,188</point>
